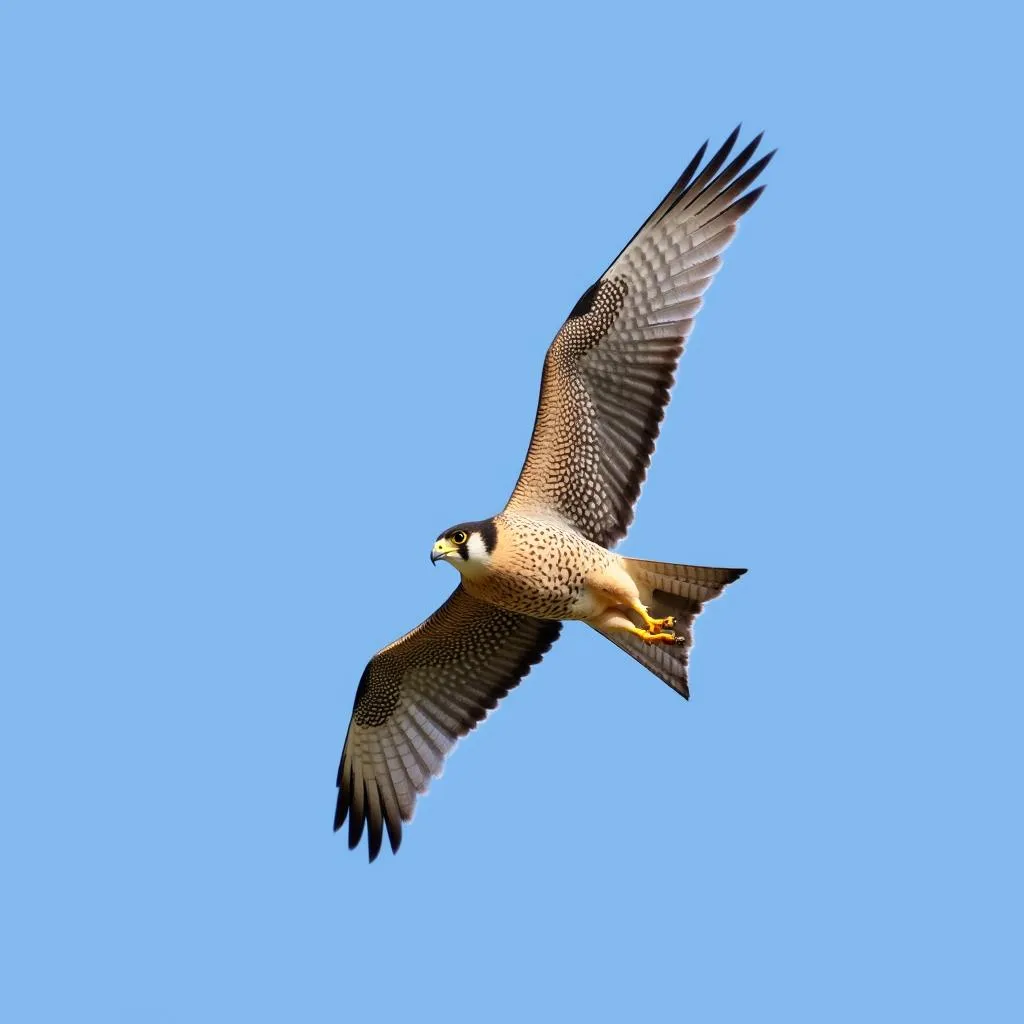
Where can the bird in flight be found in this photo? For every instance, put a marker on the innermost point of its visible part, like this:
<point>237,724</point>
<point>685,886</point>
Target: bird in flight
<point>545,558</point>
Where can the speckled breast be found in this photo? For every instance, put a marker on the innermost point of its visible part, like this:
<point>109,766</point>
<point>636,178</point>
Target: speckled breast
<point>539,568</point>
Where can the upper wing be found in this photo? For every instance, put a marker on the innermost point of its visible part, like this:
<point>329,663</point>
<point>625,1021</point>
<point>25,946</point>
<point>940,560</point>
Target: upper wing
<point>608,372</point>
<point>417,697</point>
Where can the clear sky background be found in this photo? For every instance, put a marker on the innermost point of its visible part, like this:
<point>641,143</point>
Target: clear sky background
<point>277,283</point>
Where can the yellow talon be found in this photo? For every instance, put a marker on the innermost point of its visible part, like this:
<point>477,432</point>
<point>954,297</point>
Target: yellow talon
<point>654,637</point>
<point>654,625</point>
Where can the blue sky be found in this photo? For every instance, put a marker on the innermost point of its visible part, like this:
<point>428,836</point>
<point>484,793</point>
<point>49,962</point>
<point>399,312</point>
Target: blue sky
<point>278,281</point>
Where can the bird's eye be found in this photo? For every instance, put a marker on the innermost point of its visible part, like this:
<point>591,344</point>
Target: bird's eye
<point>459,537</point>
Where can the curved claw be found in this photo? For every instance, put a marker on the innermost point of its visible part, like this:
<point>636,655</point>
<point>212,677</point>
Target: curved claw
<point>663,637</point>
<point>652,624</point>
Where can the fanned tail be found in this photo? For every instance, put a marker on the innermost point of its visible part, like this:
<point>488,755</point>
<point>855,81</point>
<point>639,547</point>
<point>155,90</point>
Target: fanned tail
<point>676,590</point>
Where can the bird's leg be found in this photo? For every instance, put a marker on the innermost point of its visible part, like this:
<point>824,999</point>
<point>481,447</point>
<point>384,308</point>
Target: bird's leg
<point>654,625</point>
<point>651,637</point>
<point>613,619</point>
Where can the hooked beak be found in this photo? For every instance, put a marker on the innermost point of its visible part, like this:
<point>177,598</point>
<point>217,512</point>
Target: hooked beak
<point>441,550</point>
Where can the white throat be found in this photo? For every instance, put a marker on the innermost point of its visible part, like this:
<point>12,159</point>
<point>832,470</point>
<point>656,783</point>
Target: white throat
<point>479,559</point>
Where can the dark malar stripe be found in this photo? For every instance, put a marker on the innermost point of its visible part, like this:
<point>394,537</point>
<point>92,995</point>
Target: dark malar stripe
<point>489,532</point>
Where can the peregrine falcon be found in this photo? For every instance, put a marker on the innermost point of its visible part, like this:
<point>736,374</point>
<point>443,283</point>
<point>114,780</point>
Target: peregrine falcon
<point>546,557</point>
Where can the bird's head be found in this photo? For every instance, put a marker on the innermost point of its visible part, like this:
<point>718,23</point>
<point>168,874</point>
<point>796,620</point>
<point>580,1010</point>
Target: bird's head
<point>467,546</point>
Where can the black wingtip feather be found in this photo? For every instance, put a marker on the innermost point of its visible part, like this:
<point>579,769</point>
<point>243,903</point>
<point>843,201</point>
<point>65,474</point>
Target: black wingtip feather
<point>722,155</point>
<point>341,808</point>
<point>375,823</point>
<point>394,826</point>
<point>713,194</point>
<point>723,180</point>
<point>355,831</point>
<point>691,168</point>
<point>756,168</point>
<point>744,203</point>
<point>700,183</point>
<point>356,819</point>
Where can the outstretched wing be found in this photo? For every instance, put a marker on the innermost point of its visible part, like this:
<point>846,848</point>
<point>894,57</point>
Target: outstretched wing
<point>417,697</point>
<point>608,372</point>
